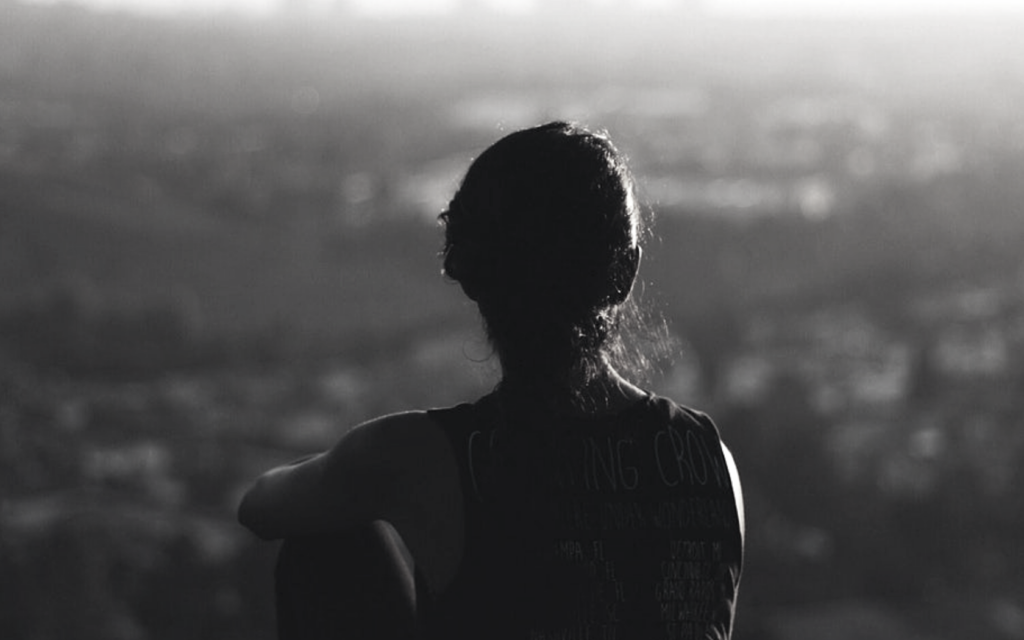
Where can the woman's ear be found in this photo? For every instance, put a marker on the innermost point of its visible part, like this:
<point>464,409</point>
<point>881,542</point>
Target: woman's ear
<point>450,270</point>
<point>469,290</point>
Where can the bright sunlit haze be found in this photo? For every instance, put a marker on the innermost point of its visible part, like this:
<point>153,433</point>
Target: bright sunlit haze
<point>714,8</point>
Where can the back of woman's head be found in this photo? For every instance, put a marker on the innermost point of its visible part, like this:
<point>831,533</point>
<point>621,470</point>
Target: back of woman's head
<point>543,234</point>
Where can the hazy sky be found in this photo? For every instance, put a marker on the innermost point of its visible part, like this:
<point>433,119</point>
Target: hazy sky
<point>741,8</point>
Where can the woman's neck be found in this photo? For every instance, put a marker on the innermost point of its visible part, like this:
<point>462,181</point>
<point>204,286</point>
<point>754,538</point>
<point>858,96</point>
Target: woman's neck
<point>596,394</point>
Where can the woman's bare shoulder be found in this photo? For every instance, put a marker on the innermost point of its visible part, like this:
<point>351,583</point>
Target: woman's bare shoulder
<point>403,462</point>
<point>367,475</point>
<point>410,438</point>
<point>418,490</point>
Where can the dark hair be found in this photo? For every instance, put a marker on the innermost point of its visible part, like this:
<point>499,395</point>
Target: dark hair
<point>544,235</point>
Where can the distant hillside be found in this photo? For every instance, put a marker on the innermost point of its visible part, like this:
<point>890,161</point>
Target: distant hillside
<point>250,178</point>
<point>101,280</point>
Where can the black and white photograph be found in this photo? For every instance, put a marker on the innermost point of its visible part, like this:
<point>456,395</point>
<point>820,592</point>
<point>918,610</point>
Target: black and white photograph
<point>511,319</point>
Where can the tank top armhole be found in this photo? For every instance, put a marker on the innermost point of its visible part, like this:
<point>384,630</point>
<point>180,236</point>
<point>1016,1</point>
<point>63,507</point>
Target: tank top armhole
<point>457,423</point>
<point>732,474</point>
<point>714,437</point>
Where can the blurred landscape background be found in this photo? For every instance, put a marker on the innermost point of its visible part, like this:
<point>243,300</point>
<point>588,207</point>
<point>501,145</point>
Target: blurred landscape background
<point>218,251</point>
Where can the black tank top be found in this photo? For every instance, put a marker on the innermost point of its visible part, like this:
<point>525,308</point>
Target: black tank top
<point>621,527</point>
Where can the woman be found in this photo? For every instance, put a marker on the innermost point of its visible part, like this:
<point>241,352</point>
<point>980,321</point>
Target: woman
<point>568,503</point>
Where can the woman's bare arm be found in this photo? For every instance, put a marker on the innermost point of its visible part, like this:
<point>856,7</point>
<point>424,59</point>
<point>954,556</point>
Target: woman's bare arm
<point>737,489</point>
<point>360,479</point>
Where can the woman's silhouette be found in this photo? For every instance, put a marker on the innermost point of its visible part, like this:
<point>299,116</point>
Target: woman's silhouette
<point>568,503</point>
